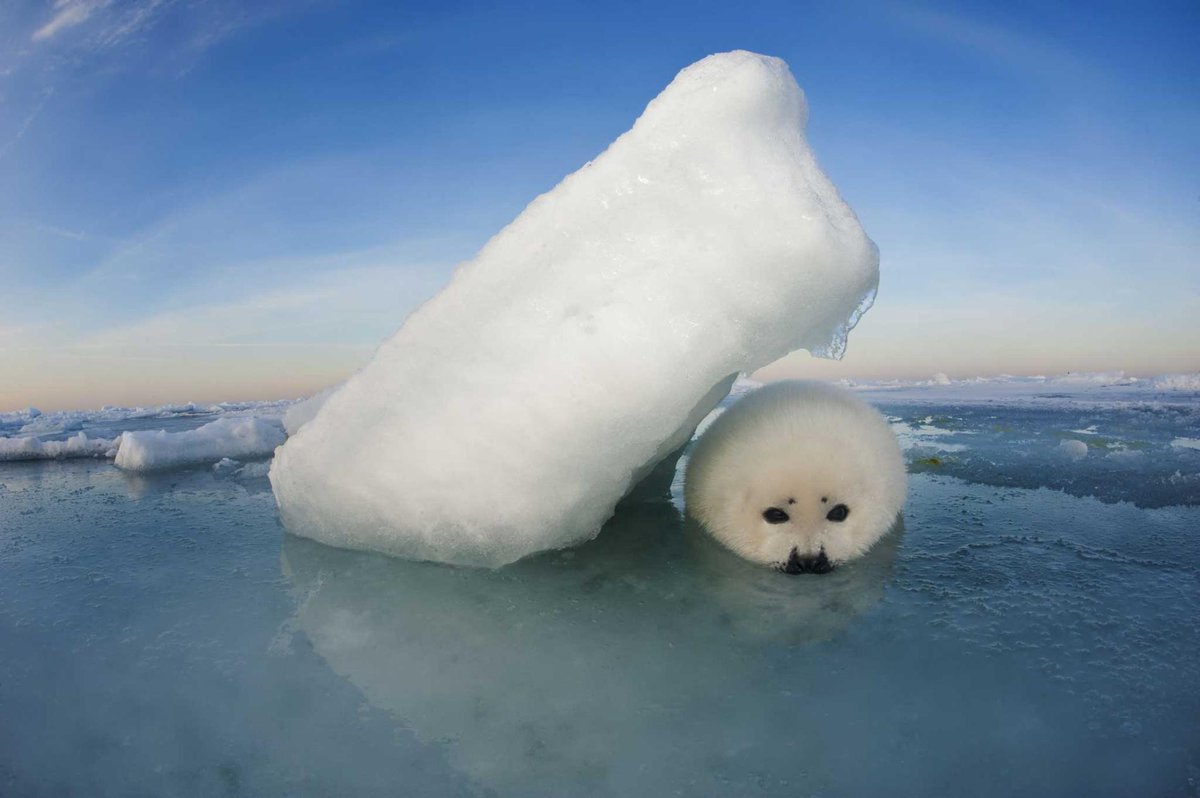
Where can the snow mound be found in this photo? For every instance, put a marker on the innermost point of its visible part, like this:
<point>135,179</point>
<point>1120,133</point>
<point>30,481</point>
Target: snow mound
<point>224,438</point>
<point>588,338</point>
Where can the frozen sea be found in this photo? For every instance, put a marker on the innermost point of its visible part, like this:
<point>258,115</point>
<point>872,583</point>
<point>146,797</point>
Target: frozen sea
<point>1029,629</point>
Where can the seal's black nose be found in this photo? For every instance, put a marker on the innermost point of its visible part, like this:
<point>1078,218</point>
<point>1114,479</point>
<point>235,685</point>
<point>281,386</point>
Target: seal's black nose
<point>808,564</point>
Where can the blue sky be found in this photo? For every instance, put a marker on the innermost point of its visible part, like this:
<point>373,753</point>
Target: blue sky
<point>200,201</point>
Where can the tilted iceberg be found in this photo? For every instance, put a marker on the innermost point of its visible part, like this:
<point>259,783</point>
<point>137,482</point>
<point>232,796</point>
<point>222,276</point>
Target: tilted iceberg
<point>588,338</point>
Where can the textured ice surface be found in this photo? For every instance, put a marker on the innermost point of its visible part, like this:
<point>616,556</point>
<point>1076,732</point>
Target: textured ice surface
<point>1116,450</point>
<point>160,636</point>
<point>582,345</point>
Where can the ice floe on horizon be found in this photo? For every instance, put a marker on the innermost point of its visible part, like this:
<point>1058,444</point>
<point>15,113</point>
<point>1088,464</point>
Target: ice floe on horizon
<point>30,447</point>
<point>1002,388</point>
<point>190,433</point>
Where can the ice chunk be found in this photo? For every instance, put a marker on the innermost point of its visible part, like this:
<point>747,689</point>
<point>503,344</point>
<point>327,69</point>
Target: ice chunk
<point>588,338</point>
<point>1073,448</point>
<point>234,438</point>
<point>253,471</point>
<point>925,435</point>
<point>31,448</point>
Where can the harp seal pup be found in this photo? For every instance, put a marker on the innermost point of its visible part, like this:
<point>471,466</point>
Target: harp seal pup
<point>798,475</point>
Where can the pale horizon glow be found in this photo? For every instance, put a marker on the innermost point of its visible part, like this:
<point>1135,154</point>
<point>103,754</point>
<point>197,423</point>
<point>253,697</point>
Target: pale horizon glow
<point>204,203</point>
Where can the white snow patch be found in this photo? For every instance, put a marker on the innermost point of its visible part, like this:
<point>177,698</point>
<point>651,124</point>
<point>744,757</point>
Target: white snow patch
<point>588,338</point>
<point>925,436</point>
<point>224,438</point>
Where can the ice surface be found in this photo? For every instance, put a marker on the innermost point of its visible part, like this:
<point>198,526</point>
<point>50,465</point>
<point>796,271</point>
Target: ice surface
<point>1114,444</point>
<point>584,343</point>
<point>527,703</point>
<point>1030,631</point>
<point>223,438</point>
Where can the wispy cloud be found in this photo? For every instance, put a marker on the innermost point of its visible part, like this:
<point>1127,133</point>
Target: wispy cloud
<point>6,148</point>
<point>61,232</point>
<point>1032,55</point>
<point>106,25</point>
<point>357,306</point>
<point>112,23</point>
<point>67,14</point>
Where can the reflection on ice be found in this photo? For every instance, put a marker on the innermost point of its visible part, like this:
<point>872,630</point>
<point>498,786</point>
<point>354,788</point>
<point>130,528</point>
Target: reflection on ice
<point>568,671</point>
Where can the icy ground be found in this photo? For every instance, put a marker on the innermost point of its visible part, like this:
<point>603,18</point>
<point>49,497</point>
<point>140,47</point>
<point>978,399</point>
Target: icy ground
<point>1030,631</point>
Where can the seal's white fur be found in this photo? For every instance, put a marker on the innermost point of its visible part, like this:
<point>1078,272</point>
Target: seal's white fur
<point>803,447</point>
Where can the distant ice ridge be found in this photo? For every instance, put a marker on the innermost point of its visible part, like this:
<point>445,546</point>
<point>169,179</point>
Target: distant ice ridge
<point>28,447</point>
<point>199,434</point>
<point>32,421</point>
<point>1073,386</point>
<point>588,338</point>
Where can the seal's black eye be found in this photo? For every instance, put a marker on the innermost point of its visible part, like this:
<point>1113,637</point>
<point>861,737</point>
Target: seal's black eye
<point>773,515</point>
<point>838,513</point>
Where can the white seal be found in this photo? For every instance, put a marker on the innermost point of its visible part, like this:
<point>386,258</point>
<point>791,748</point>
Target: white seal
<point>799,475</point>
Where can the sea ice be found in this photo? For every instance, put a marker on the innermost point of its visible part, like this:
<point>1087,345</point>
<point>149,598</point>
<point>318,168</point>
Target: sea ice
<point>588,338</point>
<point>231,438</point>
<point>31,448</point>
<point>1033,630</point>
